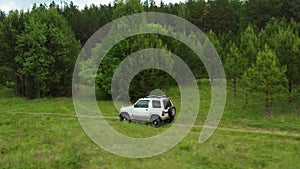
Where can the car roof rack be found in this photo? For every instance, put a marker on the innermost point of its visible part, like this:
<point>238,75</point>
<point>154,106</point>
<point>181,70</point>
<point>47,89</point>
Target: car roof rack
<point>154,96</point>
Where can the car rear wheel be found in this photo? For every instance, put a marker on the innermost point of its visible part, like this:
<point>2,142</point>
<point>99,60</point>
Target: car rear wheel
<point>157,122</point>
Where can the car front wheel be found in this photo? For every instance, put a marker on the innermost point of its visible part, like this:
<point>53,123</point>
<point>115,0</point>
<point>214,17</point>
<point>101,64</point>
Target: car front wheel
<point>124,116</point>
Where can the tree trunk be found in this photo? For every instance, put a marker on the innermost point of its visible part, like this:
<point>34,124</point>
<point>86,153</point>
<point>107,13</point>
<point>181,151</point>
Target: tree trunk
<point>267,104</point>
<point>30,87</point>
<point>290,86</point>
<point>246,99</point>
<point>19,86</point>
<point>38,94</point>
<point>23,86</point>
<point>234,87</point>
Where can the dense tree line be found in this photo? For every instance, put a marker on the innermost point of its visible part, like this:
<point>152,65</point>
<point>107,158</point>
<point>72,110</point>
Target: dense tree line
<point>39,51</point>
<point>257,40</point>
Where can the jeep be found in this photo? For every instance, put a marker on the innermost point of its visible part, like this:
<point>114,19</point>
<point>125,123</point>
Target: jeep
<point>151,109</point>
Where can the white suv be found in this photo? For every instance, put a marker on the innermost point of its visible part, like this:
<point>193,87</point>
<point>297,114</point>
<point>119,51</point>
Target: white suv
<point>151,109</point>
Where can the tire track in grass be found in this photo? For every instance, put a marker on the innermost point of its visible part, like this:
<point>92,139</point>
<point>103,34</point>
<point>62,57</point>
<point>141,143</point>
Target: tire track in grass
<point>248,130</point>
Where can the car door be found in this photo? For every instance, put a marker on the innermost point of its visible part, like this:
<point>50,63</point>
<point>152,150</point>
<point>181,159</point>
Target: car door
<point>141,110</point>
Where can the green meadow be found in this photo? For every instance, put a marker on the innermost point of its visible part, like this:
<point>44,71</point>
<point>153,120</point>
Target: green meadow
<point>45,133</point>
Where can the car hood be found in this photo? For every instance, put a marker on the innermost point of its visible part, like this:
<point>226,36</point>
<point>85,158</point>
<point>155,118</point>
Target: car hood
<point>127,108</point>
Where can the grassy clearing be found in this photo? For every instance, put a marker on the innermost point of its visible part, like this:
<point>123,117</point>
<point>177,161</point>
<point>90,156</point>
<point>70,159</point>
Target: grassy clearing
<point>40,140</point>
<point>35,141</point>
<point>286,116</point>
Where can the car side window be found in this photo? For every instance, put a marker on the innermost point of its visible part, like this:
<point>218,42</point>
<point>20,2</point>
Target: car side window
<point>142,104</point>
<point>156,104</point>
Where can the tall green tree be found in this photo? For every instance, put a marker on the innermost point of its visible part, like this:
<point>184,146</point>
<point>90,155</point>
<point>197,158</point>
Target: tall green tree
<point>46,54</point>
<point>237,11</point>
<point>86,22</point>
<point>217,44</point>
<point>13,25</point>
<point>34,60</point>
<point>282,36</point>
<point>249,45</point>
<point>266,75</point>
<point>219,16</point>
<point>235,65</point>
<point>284,45</point>
<point>196,11</point>
<point>258,12</point>
<point>127,7</point>
<point>182,11</point>
<point>3,67</point>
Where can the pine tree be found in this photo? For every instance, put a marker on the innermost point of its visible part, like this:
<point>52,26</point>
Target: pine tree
<point>249,45</point>
<point>266,75</point>
<point>283,42</point>
<point>235,65</point>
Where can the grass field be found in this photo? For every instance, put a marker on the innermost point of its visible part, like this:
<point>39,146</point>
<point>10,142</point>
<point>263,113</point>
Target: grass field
<point>45,133</point>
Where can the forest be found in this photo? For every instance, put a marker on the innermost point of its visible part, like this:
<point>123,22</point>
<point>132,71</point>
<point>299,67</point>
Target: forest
<point>257,41</point>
